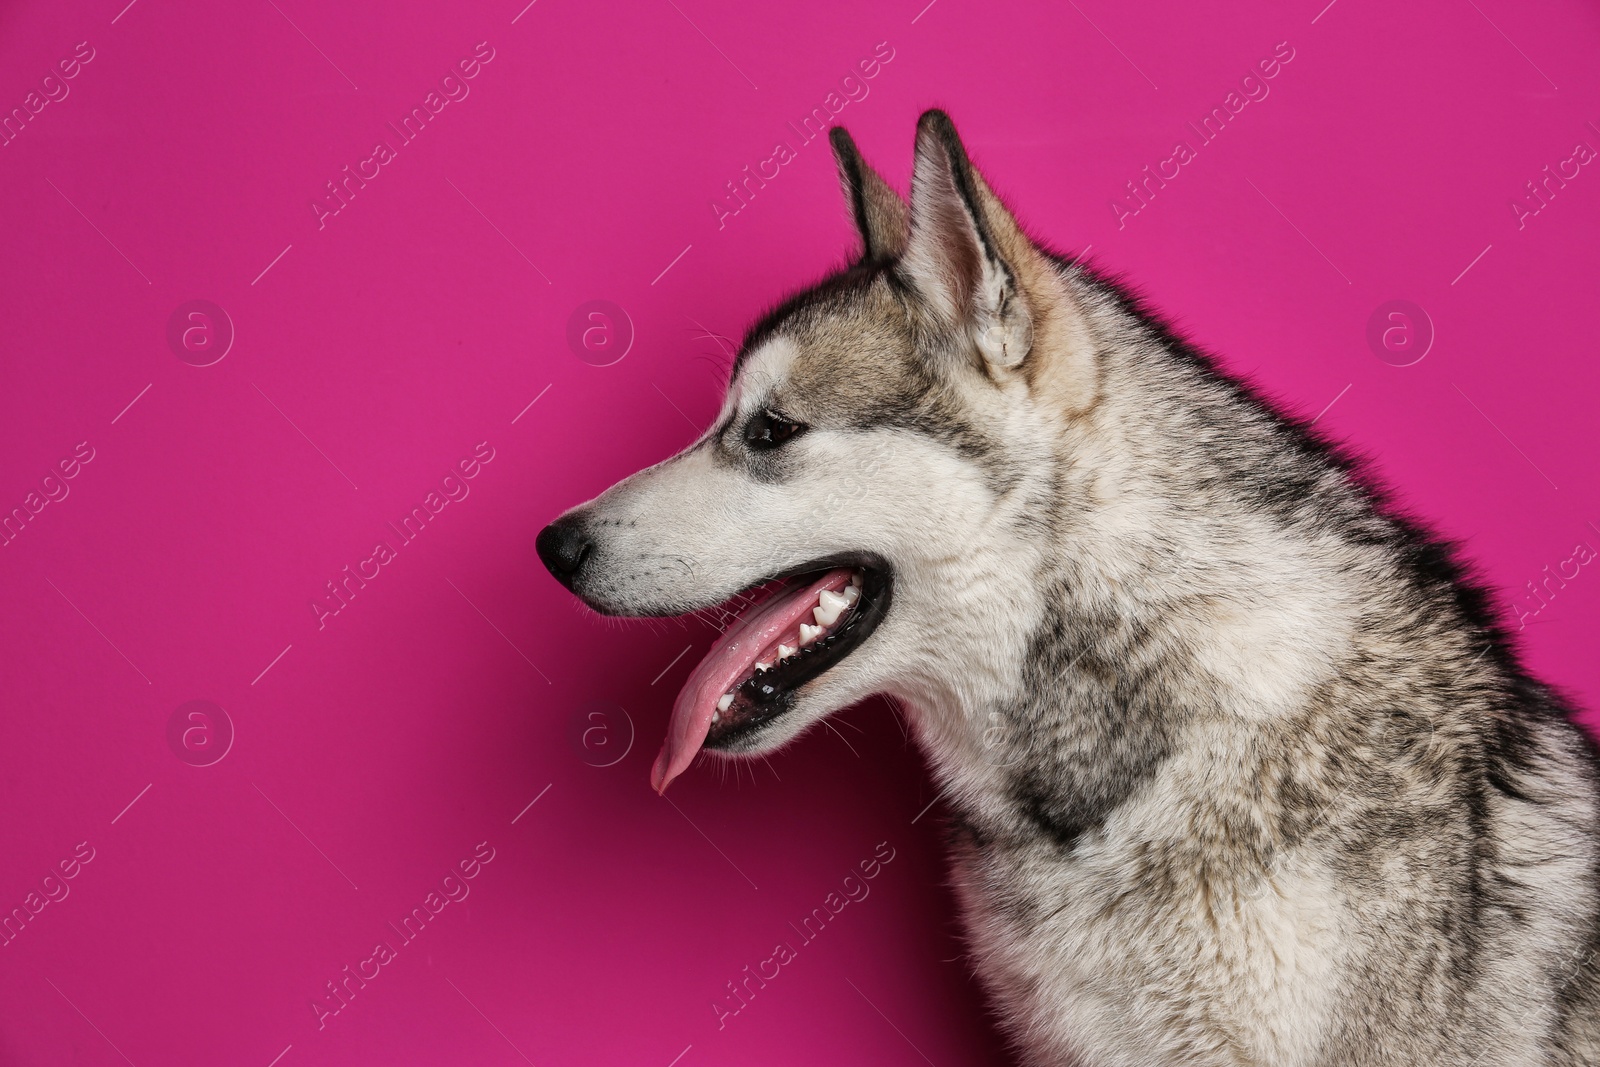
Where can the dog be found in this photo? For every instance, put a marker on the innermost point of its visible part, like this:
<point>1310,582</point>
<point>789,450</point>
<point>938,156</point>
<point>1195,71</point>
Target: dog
<point>1241,765</point>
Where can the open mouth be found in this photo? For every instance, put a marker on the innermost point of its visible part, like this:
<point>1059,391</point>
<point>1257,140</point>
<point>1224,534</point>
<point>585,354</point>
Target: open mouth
<point>814,617</point>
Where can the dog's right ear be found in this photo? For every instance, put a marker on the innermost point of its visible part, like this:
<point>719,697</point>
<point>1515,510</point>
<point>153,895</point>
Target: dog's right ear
<point>967,256</point>
<point>882,218</point>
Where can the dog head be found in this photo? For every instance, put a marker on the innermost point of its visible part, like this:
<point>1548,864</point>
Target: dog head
<point>870,474</point>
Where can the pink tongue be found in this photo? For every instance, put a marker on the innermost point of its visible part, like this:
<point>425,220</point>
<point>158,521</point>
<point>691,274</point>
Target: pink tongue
<point>730,659</point>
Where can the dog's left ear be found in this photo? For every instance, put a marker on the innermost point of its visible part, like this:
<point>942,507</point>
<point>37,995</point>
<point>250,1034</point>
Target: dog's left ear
<point>880,215</point>
<point>967,256</point>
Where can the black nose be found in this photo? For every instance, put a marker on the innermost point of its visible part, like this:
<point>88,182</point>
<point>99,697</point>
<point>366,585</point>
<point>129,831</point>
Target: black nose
<point>563,547</point>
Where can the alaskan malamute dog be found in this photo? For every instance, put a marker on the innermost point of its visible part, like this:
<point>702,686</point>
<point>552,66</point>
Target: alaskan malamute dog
<point>1241,766</point>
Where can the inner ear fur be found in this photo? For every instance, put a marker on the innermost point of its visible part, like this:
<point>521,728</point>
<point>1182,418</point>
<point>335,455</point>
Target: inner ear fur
<point>983,282</point>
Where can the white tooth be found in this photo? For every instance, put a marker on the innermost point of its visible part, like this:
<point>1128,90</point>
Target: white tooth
<point>763,666</point>
<point>716,717</point>
<point>784,652</point>
<point>851,594</point>
<point>809,633</point>
<point>829,606</point>
<point>726,702</point>
<point>855,581</point>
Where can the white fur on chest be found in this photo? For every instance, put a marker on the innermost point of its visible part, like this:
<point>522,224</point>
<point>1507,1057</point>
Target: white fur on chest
<point>1204,969</point>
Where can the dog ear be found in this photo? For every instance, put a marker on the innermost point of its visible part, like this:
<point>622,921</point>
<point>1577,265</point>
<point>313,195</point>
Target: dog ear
<point>881,216</point>
<point>967,256</point>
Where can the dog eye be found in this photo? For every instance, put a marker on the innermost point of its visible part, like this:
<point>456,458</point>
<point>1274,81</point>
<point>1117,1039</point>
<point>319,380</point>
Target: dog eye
<point>766,431</point>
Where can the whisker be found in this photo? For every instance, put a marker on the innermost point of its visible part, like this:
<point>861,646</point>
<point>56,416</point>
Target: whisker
<point>725,343</point>
<point>842,721</point>
<point>841,737</point>
<point>720,367</point>
<point>899,712</point>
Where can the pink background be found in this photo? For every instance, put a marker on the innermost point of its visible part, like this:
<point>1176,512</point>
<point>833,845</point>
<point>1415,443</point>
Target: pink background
<point>372,755</point>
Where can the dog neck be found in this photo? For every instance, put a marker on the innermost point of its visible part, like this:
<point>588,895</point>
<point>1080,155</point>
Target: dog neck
<point>1086,654</point>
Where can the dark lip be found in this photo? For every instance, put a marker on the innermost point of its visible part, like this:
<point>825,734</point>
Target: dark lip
<point>764,698</point>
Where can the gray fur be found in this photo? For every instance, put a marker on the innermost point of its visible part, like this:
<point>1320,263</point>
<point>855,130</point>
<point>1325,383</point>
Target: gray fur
<point>1241,768</point>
